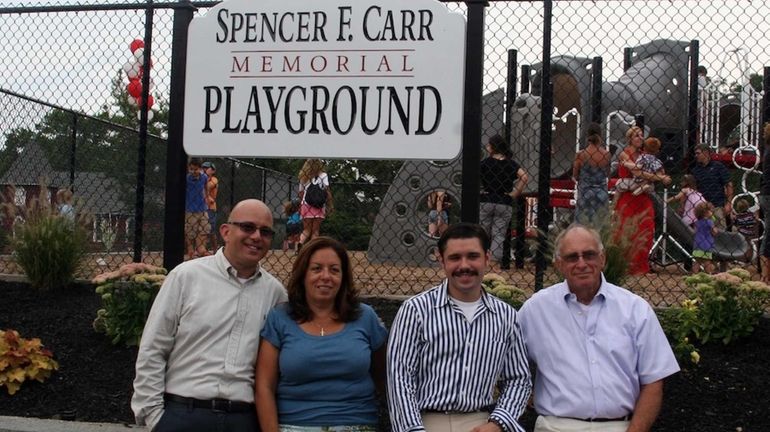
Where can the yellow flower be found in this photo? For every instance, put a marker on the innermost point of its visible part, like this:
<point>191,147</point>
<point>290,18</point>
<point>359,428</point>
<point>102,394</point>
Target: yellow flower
<point>695,357</point>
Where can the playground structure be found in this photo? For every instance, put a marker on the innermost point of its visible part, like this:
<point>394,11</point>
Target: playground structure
<point>654,92</point>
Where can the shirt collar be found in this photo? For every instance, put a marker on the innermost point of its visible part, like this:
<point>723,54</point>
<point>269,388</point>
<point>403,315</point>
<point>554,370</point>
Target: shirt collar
<point>443,299</point>
<point>227,269</point>
<point>603,292</point>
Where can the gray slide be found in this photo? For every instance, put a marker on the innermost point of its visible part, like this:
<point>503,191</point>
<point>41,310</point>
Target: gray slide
<point>729,246</point>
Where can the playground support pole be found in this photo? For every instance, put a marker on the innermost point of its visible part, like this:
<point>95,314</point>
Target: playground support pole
<point>627,56</point>
<point>692,105</point>
<point>510,96</point>
<point>596,90</point>
<point>474,87</point>
<point>544,211</point>
<point>526,70</point>
<point>176,163</point>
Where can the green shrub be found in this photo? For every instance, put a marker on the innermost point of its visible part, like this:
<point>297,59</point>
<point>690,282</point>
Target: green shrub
<point>677,323</point>
<point>23,359</point>
<point>48,247</point>
<point>729,305</point>
<point>127,296</point>
<point>499,287</point>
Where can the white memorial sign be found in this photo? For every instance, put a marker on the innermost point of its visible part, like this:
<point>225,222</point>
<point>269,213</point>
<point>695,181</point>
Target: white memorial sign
<point>337,79</point>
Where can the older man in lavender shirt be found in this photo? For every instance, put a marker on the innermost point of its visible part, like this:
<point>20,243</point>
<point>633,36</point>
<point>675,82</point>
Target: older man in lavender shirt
<point>600,352</point>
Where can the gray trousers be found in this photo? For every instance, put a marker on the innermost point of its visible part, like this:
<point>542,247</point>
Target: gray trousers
<point>496,219</point>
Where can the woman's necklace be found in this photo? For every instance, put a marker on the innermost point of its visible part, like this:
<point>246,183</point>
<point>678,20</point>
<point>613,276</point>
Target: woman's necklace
<point>323,332</point>
<point>321,328</point>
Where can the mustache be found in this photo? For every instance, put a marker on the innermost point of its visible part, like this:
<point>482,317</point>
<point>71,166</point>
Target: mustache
<point>465,272</point>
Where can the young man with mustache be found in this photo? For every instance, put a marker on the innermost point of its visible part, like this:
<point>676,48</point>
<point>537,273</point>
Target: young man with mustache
<point>452,344</point>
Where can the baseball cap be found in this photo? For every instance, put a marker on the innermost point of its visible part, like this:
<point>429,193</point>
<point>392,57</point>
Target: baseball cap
<point>208,165</point>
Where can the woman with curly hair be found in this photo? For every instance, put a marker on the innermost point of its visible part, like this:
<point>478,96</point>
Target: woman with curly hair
<point>311,178</point>
<point>322,354</point>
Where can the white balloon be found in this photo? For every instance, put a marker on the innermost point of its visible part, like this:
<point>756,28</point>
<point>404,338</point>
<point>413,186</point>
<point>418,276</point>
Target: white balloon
<point>150,115</point>
<point>132,101</point>
<point>134,71</point>
<point>139,54</point>
<point>128,66</point>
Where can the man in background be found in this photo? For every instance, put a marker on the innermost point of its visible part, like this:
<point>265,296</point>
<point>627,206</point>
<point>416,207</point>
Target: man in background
<point>212,189</point>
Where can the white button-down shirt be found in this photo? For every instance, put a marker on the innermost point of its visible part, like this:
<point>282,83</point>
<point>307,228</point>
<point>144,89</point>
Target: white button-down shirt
<point>202,335</point>
<point>591,361</point>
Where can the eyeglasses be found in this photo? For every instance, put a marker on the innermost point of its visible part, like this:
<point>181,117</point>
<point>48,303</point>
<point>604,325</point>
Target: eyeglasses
<point>250,228</point>
<point>588,256</point>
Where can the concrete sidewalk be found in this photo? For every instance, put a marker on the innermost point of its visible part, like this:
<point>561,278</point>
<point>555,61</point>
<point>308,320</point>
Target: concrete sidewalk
<point>24,424</point>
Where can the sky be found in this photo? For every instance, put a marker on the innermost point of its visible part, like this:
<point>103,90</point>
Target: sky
<point>69,58</point>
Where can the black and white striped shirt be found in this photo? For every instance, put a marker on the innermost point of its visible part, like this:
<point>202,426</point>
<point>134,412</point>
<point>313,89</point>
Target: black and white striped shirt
<point>439,361</point>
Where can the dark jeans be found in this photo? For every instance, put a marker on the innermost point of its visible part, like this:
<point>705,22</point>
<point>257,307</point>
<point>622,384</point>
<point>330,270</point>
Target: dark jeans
<point>178,417</point>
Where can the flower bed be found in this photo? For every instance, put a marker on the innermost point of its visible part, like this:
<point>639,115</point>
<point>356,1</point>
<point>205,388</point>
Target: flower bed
<point>729,389</point>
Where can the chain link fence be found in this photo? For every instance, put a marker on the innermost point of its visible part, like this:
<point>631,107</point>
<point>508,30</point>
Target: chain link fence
<point>69,119</point>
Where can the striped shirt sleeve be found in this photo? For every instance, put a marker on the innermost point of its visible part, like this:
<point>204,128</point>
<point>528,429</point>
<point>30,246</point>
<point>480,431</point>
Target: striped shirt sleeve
<point>515,382</point>
<point>403,351</point>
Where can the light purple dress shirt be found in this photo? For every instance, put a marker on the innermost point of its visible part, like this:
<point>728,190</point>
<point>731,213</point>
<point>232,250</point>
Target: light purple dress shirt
<point>592,360</point>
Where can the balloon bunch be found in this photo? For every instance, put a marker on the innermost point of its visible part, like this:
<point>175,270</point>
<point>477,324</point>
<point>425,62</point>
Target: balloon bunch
<point>134,70</point>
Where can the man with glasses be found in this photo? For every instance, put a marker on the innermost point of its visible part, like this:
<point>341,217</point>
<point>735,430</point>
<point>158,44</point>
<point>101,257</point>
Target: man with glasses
<point>195,367</point>
<point>599,350</point>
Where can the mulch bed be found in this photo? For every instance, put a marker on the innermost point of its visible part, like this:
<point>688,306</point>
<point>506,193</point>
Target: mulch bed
<point>728,391</point>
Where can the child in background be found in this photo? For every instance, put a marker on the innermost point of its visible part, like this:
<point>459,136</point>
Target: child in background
<point>689,197</point>
<point>703,244</point>
<point>646,162</point>
<point>293,223</point>
<point>744,220</point>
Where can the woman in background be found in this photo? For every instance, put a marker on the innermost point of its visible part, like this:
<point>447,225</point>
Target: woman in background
<point>590,172</point>
<point>635,212</point>
<point>312,175</point>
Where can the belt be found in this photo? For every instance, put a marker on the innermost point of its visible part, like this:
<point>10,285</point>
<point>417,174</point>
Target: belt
<point>603,420</point>
<point>219,405</point>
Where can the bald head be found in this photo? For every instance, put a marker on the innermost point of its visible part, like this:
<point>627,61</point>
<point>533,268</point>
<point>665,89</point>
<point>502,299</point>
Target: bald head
<point>583,232</point>
<point>247,234</point>
<point>249,207</point>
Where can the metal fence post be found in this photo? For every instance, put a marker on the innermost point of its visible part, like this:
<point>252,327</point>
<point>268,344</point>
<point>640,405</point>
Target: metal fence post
<point>474,87</point>
<point>73,150</point>
<point>141,155</point>
<point>510,96</point>
<point>173,228</point>
<point>544,211</point>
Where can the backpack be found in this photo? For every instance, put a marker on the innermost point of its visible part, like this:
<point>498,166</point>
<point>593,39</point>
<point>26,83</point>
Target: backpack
<point>315,196</point>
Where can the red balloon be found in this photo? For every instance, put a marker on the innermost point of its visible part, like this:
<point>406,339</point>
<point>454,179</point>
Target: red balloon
<point>150,101</point>
<point>136,44</point>
<point>134,88</point>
